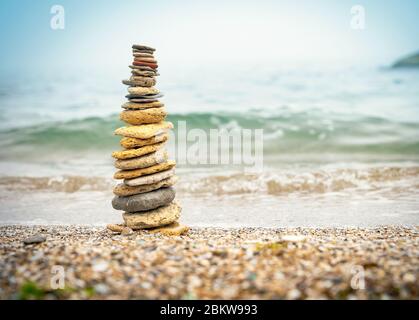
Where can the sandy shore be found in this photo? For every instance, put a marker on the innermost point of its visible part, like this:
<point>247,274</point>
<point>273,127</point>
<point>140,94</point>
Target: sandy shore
<point>254,263</point>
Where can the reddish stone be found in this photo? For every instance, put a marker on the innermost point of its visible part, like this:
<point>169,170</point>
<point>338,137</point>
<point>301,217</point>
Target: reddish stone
<point>147,60</point>
<point>147,64</point>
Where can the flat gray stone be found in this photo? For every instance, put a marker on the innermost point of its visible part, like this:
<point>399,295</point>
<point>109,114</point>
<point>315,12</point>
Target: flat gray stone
<point>137,100</point>
<point>34,239</point>
<point>144,201</point>
<point>140,47</point>
<point>144,96</point>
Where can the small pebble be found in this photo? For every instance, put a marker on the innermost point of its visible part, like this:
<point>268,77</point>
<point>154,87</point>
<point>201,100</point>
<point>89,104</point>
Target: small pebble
<point>34,239</point>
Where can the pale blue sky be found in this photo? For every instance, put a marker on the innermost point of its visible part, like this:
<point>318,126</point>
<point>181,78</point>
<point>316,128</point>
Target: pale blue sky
<point>98,34</point>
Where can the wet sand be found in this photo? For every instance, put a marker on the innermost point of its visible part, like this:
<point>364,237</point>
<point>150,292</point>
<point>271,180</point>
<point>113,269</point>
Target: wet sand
<point>94,208</point>
<point>214,263</point>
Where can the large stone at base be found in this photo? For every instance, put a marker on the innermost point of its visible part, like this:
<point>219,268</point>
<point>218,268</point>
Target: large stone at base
<point>144,201</point>
<point>173,229</point>
<point>154,218</point>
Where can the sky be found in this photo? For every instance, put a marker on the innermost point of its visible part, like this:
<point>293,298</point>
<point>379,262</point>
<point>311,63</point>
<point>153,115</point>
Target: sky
<point>98,34</point>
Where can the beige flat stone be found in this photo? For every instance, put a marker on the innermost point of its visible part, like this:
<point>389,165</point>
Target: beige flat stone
<point>143,90</point>
<point>145,161</point>
<point>140,81</point>
<point>135,173</point>
<point>153,218</point>
<point>123,190</point>
<point>140,106</point>
<point>150,178</point>
<point>173,229</point>
<point>127,231</point>
<point>150,115</point>
<point>139,78</point>
<point>130,143</point>
<point>145,131</point>
<point>138,152</point>
<point>116,227</point>
<point>144,73</point>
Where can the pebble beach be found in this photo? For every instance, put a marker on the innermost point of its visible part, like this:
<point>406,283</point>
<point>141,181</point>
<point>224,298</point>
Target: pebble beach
<point>209,263</point>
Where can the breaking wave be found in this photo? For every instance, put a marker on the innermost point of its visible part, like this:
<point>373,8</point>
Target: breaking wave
<point>294,132</point>
<point>382,179</point>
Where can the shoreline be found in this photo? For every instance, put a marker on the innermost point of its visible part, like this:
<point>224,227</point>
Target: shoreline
<point>211,263</point>
<point>282,228</point>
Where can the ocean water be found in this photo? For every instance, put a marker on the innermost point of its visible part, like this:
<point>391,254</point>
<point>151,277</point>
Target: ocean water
<point>340,145</point>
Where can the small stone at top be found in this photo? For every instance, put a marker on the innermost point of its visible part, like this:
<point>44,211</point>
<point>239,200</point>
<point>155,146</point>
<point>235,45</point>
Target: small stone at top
<point>141,47</point>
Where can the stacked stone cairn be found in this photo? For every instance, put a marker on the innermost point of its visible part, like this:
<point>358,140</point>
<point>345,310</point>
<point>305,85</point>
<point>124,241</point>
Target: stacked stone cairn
<point>146,194</point>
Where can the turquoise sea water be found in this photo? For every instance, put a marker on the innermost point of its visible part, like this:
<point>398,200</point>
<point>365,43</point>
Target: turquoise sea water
<point>353,111</point>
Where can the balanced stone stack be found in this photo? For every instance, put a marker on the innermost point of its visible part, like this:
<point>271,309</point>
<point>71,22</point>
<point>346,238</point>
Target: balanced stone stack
<point>146,194</point>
